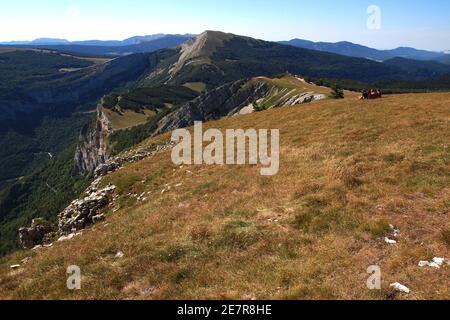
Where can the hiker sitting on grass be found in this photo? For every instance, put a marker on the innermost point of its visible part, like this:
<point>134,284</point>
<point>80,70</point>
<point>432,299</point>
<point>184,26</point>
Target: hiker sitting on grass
<point>371,94</point>
<point>365,94</point>
<point>379,93</point>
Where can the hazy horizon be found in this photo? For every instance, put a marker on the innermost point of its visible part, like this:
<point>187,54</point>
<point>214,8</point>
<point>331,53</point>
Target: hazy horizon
<point>402,23</point>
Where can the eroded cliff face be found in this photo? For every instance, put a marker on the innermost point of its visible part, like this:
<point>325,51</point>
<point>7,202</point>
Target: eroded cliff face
<point>92,149</point>
<point>215,104</point>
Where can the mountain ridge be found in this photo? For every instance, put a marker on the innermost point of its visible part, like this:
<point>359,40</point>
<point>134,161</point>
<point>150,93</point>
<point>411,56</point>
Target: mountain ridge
<point>361,51</point>
<point>127,41</point>
<point>112,49</point>
<point>216,55</point>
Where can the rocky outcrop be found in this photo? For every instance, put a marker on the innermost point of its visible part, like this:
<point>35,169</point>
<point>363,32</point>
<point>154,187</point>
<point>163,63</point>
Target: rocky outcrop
<point>91,151</point>
<point>306,97</point>
<point>84,212</point>
<point>234,98</point>
<point>87,211</point>
<point>35,234</point>
<point>223,101</point>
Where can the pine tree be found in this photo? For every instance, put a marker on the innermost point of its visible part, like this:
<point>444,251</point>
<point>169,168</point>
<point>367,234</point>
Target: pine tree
<point>337,92</point>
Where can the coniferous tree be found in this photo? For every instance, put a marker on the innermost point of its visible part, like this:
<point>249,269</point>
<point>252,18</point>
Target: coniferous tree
<point>337,92</point>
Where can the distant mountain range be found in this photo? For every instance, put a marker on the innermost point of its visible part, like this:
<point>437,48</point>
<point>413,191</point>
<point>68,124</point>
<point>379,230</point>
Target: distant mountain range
<point>359,51</point>
<point>138,44</point>
<point>109,43</point>
<point>150,43</point>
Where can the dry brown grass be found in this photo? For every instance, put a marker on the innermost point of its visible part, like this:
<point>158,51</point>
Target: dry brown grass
<point>348,169</point>
<point>128,118</point>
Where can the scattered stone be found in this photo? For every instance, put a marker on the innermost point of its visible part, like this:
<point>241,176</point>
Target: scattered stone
<point>15,266</point>
<point>120,255</point>
<point>439,261</point>
<point>48,245</point>
<point>65,238</point>
<point>389,241</point>
<point>399,287</point>
<point>434,263</point>
<point>26,260</point>
<point>98,218</point>
<point>35,234</point>
<point>395,231</point>
<point>37,247</point>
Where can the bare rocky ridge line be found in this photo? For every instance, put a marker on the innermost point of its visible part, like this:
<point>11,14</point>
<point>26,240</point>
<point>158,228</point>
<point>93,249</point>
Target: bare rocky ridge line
<point>199,49</point>
<point>223,101</point>
<point>227,100</point>
<point>86,211</point>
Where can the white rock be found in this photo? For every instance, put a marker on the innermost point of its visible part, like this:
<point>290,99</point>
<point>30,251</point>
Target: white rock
<point>120,254</point>
<point>439,261</point>
<point>399,287</point>
<point>435,263</point>
<point>68,237</point>
<point>26,260</point>
<point>395,231</point>
<point>389,241</point>
<point>423,264</point>
<point>15,266</point>
<point>428,264</point>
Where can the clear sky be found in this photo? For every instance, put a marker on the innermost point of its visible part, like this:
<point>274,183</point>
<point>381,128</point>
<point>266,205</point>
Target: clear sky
<point>420,24</point>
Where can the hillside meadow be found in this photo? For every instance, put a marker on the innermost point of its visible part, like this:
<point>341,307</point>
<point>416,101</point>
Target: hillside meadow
<point>348,169</point>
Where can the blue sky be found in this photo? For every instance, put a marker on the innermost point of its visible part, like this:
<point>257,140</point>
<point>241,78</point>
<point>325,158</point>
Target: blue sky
<point>421,24</point>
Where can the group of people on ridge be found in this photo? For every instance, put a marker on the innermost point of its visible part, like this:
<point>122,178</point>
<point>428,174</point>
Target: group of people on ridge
<point>371,94</point>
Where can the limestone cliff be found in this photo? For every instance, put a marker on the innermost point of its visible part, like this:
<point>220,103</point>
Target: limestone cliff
<point>223,101</point>
<point>91,151</point>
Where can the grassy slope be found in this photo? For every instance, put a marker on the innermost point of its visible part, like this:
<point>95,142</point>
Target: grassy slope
<point>348,168</point>
<point>128,118</point>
